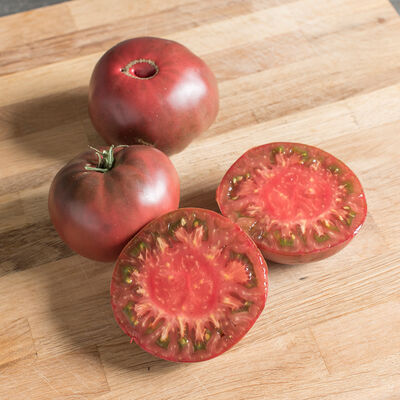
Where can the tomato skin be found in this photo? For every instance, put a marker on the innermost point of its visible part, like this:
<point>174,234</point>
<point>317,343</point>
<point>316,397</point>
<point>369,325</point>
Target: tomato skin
<point>262,154</point>
<point>300,258</point>
<point>167,110</point>
<point>96,213</point>
<point>232,238</point>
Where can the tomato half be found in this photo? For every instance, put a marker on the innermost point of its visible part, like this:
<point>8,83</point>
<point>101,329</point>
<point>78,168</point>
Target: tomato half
<point>189,285</point>
<point>297,202</point>
<point>101,198</point>
<point>154,91</point>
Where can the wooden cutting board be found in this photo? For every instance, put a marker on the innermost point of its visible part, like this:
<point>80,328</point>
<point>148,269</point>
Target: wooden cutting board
<point>326,73</point>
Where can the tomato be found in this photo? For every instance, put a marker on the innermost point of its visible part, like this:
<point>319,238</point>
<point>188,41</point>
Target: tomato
<point>297,202</point>
<point>189,285</point>
<point>101,198</point>
<point>152,91</point>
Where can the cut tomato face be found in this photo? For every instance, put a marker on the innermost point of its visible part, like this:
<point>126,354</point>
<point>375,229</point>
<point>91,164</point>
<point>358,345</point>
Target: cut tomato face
<point>189,285</point>
<point>297,202</point>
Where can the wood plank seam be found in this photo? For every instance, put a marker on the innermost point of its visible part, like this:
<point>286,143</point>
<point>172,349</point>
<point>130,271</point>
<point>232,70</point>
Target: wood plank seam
<point>319,350</point>
<point>102,367</point>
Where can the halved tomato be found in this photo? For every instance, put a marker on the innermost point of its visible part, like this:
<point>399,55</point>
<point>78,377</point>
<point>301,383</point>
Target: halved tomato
<point>297,202</point>
<point>189,285</point>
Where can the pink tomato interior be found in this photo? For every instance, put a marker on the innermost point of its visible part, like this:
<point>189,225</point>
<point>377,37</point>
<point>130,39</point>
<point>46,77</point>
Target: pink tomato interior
<point>189,285</point>
<point>297,202</point>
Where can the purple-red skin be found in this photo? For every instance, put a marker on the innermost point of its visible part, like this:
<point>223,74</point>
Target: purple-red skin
<point>97,213</point>
<point>167,110</point>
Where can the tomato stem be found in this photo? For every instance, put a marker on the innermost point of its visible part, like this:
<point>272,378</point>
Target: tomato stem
<point>105,159</point>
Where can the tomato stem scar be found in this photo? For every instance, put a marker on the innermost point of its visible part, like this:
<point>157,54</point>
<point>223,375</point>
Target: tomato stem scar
<point>141,72</point>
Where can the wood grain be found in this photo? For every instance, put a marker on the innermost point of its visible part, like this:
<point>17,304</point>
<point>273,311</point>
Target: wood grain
<point>325,73</point>
<point>15,341</point>
<point>349,338</point>
<point>56,378</point>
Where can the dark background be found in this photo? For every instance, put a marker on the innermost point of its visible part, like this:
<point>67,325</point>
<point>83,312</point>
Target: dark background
<point>14,6</point>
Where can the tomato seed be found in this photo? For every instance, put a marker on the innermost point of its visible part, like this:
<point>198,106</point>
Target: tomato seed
<point>164,343</point>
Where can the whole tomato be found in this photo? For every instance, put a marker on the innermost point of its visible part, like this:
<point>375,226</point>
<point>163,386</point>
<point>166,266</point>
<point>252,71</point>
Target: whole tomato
<point>101,198</point>
<point>152,91</point>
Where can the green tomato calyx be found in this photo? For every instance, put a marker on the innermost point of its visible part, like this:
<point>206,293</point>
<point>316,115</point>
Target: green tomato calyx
<point>105,159</point>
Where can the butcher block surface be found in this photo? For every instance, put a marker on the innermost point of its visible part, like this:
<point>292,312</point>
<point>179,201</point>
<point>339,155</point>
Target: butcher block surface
<point>325,73</point>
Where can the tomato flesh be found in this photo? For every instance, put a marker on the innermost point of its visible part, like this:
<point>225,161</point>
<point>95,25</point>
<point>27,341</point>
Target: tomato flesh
<point>297,202</point>
<point>189,285</point>
<point>293,192</point>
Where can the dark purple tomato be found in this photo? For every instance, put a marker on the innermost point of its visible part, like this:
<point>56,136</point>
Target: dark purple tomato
<point>101,198</point>
<point>189,285</point>
<point>297,202</point>
<point>152,91</point>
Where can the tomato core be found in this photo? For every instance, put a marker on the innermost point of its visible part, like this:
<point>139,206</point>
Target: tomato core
<point>186,287</point>
<point>295,192</point>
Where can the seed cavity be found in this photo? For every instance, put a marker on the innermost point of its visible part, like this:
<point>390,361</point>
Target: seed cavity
<point>202,344</point>
<point>277,150</point>
<point>350,215</point>
<point>334,169</point>
<point>197,223</point>
<point>130,314</point>
<point>239,178</point>
<point>252,278</point>
<point>274,152</point>
<point>321,238</point>
<point>220,332</point>
<point>162,243</point>
<point>126,273</point>
<point>183,341</point>
<point>136,250</point>
<point>329,225</point>
<point>348,186</point>
<point>173,226</point>
<point>150,329</point>
<point>231,194</point>
<point>163,343</point>
<point>302,153</point>
<point>244,308</point>
<point>286,241</point>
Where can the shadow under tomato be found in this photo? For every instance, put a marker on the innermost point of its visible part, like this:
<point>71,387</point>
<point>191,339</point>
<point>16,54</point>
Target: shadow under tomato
<point>78,317</point>
<point>28,238</point>
<point>52,124</point>
<point>200,199</point>
<point>277,266</point>
<point>82,318</point>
